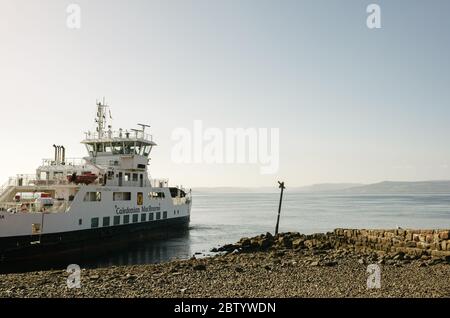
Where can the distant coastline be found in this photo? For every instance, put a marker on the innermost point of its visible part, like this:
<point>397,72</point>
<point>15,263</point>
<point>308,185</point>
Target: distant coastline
<point>385,187</point>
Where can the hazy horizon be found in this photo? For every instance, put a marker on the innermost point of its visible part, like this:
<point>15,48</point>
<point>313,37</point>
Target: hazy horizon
<point>352,104</point>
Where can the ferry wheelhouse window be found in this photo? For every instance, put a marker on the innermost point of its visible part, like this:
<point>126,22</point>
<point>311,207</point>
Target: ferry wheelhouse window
<point>90,149</point>
<point>94,222</point>
<point>165,215</point>
<point>117,148</point>
<point>158,215</point>
<point>143,217</point>
<point>93,197</point>
<point>126,219</point>
<point>116,220</point>
<point>122,196</point>
<point>147,150</point>
<point>106,221</point>
<point>135,218</point>
<point>135,177</point>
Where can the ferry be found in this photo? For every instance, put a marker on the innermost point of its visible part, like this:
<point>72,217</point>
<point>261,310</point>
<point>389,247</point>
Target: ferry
<point>108,197</point>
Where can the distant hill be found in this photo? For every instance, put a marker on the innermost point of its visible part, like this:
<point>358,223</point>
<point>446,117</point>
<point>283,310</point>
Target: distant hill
<point>325,187</point>
<point>385,187</point>
<point>398,187</point>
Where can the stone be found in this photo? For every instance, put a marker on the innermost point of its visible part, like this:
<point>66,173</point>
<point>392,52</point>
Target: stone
<point>422,264</point>
<point>265,243</point>
<point>200,267</point>
<point>245,241</point>
<point>330,263</point>
<point>435,261</point>
<point>440,254</point>
<point>298,243</point>
<point>238,269</point>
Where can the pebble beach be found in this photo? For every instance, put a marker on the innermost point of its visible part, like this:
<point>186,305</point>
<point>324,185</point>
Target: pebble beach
<point>252,267</point>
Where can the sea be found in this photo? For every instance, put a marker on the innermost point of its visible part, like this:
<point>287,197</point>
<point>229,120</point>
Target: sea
<point>221,218</point>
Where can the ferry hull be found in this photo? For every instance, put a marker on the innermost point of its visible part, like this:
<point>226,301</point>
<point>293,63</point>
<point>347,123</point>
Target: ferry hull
<point>53,246</point>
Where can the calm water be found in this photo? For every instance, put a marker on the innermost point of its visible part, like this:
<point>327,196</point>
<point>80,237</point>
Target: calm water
<point>218,219</point>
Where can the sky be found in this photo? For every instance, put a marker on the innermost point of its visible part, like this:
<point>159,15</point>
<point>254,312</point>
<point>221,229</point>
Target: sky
<point>352,104</point>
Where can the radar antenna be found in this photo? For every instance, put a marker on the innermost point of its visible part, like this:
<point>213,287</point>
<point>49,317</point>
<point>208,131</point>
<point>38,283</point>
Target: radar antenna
<point>144,126</point>
<point>101,117</point>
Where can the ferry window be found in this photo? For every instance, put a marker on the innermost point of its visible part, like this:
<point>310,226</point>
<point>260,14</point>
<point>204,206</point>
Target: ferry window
<point>143,217</point>
<point>140,149</point>
<point>116,220</point>
<point>122,196</point>
<point>147,150</point>
<point>110,175</point>
<point>117,148</point>
<point>94,222</point>
<point>126,219</point>
<point>93,197</point>
<point>165,215</point>
<point>90,149</point>
<point>135,177</point>
<point>80,221</point>
<point>127,149</point>
<point>99,147</point>
<point>150,217</point>
<point>135,218</point>
<point>127,177</point>
<point>108,148</point>
<point>156,195</point>
<point>140,198</point>
<point>106,221</point>
<point>158,215</point>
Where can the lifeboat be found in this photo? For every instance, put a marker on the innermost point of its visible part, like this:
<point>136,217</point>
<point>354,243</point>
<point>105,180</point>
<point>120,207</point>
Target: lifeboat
<point>86,178</point>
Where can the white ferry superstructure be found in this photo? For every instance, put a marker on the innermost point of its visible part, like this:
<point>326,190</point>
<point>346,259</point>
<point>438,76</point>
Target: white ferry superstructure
<point>75,204</point>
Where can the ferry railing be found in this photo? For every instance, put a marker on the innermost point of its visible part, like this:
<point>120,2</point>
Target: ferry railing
<point>121,135</point>
<point>22,180</point>
<point>73,162</point>
<point>4,187</point>
<point>31,180</point>
<point>33,207</point>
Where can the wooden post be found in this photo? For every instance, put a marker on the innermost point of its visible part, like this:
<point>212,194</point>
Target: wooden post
<point>282,187</point>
